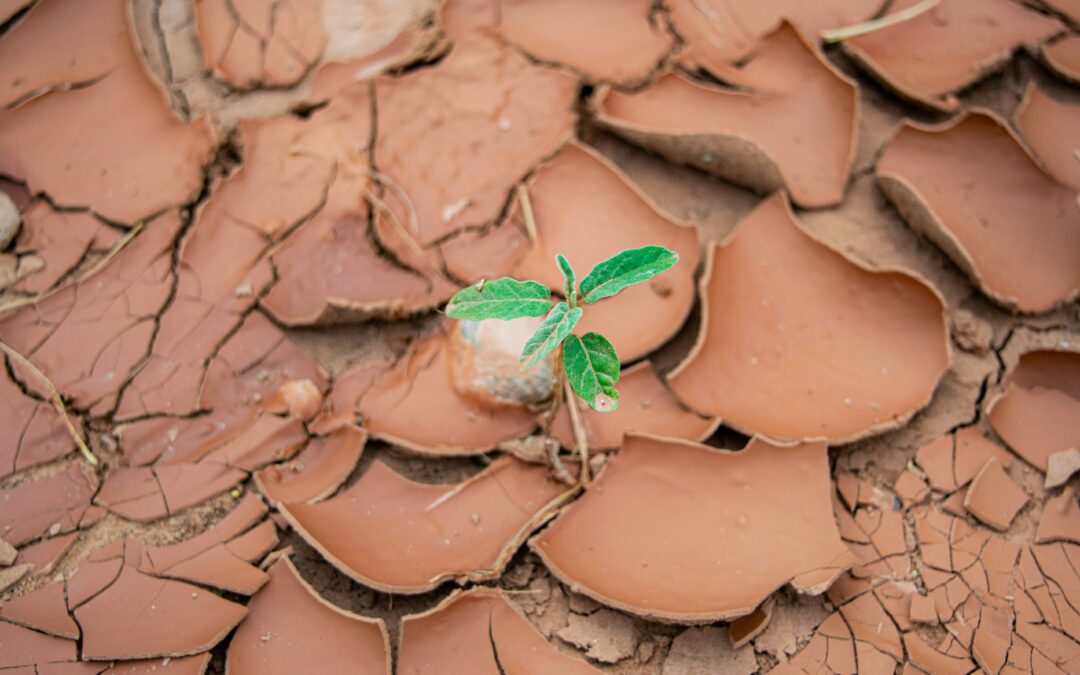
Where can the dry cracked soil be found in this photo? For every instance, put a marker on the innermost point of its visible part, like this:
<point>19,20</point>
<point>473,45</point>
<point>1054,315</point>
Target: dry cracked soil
<point>238,434</point>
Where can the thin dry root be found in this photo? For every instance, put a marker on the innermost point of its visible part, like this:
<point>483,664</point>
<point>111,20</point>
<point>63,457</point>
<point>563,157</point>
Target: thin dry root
<point>580,437</point>
<point>527,213</point>
<point>855,30</point>
<point>57,402</point>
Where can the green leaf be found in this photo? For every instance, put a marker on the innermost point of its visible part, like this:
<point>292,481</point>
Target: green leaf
<point>569,280</point>
<point>592,367</point>
<point>500,299</point>
<point>556,326</point>
<point>626,269</point>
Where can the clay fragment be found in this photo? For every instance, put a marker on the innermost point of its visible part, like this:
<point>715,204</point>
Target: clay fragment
<point>653,491</point>
<point>44,609</point>
<point>1052,131</point>
<point>416,406</point>
<point>52,505</point>
<point>792,126</point>
<point>478,633</point>
<point>159,559</point>
<point>515,114</point>
<point>259,43</point>
<point>291,629</point>
<point>645,405</point>
<point>46,553</point>
<point>952,460</point>
<point>148,493</point>
<point>26,647</point>
<point>270,439</point>
<point>1063,57</point>
<point>59,239</point>
<point>9,576</point>
<point>910,488</point>
<point>318,471</point>
<point>398,536</point>
<point>88,337</point>
<point>340,406</point>
<point>971,187</point>
<point>1039,412</point>
<point>168,440</point>
<point>720,33</point>
<point>579,191</point>
<point>854,491</point>
<point>963,39</point>
<point>37,433</point>
<point>863,368</point>
<point>994,497</point>
<point>1060,519</point>
<point>139,616</point>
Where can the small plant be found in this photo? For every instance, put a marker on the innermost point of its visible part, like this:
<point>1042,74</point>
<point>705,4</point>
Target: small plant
<point>586,366</point>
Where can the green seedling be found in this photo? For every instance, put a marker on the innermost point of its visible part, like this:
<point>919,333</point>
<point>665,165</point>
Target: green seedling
<point>586,366</point>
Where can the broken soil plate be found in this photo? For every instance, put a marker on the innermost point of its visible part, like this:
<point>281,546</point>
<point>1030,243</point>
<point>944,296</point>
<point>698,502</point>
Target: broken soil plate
<point>792,125</point>
<point>390,533</point>
<point>799,342</point>
<point>681,532</point>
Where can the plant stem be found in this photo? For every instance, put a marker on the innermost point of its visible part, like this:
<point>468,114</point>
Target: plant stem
<point>57,401</point>
<point>847,32</point>
<point>580,437</point>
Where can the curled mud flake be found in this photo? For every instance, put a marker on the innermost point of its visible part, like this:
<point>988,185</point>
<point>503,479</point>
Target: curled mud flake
<point>1063,57</point>
<point>1060,519</point>
<point>186,665</point>
<point>440,142</point>
<point>44,609</point>
<point>485,363</point>
<point>564,32</point>
<point>171,440</point>
<point>587,209</point>
<point>811,342</point>
<point>794,126</point>
<point>52,505</point>
<point>148,493</point>
<point>720,33</point>
<point>26,647</point>
<point>398,536</point>
<point>87,338</point>
<point>994,498</point>
<point>743,630</point>
<point>416,406</point>
<point>971,187</point>
<point>1052,130</point>
<point>645,405</point>
<point>1039,413</point>
<point>140,616</point>
<point>478,631</point>
<point>290,628</point>
<point>260,43</point>
<point>963,39</point>
<point>35,432</point>
<point>663,500</point>
<point>124,167</point>
<point>318,471</point>
<point>60,240</point>
<point>251,368</point>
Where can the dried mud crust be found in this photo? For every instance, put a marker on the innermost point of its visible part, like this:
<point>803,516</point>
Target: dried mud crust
<point>176,313</point>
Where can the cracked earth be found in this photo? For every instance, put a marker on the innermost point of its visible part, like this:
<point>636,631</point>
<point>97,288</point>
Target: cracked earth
<point>849,431</point>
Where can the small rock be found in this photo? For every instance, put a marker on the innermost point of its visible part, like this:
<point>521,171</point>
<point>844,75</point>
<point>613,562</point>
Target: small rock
<point>535,449</point>
<point>9,266</point>
<point>605,635</point>
<point>484,363</point>
<point>302,398</point>
<point>1060,467</point>
<point>10,220</point>
<point>8,553</point>
<point>707,651</point>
